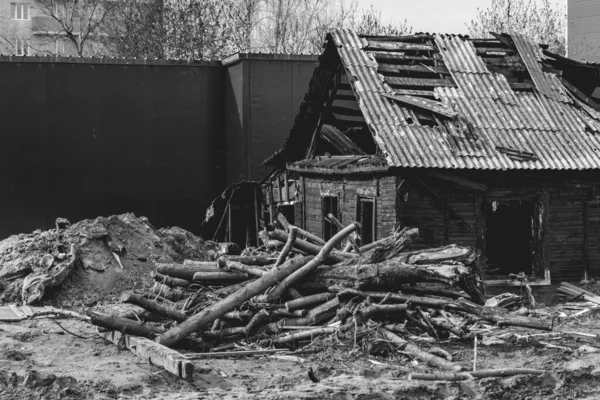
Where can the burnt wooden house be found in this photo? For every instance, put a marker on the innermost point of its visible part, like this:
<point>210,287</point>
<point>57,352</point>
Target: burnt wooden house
<point>492,143</point>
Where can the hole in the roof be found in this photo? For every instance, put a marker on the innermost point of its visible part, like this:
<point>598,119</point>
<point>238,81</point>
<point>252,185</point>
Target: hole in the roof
<point>444,48</point>
<point>409,120</point>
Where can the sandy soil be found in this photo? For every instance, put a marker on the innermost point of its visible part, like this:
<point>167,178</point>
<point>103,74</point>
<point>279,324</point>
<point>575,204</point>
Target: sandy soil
<point>39,360</point>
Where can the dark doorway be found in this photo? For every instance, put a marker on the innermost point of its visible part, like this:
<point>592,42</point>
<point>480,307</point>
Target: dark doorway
<point>508,237</point>
<point>329,205</point>
<point>365,215</point>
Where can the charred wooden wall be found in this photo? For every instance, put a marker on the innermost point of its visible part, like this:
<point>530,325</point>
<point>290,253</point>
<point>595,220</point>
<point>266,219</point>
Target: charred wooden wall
<point>381,188</point>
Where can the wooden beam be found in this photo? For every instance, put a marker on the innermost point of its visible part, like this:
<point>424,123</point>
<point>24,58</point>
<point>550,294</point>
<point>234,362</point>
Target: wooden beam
<point>418,38</point>
<point>157,354</point>
<point>424,104</point>
<point>409,92</point>
<point>396,81</point>
<point>579,95</point>
<point>396,69</point>
<point>486,50</point>
<point>398,46</point>
<point>387,55</point>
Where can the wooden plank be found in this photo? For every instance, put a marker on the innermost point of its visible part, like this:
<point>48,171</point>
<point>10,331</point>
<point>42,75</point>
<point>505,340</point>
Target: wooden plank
<point>424,104</point>
<point>486,50</point>
<point>398,46</point>
<point>397,81</point>
<point>409,92</point>
<point>16,311</point>
<point>157,354</point>
<point>388,55</point>
<point>397,68</point>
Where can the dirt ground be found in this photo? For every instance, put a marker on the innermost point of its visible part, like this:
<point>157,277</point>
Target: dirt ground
<point>39,360</point>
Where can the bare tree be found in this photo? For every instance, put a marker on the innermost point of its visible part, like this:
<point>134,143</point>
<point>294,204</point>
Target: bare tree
<point>80,22</point>
<point>370,23</point>
<point>541,20</point>
<point>136,29</point>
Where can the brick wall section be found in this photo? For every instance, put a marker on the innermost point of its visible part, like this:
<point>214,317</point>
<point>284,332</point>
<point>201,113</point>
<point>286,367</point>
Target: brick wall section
<point>383,189</point>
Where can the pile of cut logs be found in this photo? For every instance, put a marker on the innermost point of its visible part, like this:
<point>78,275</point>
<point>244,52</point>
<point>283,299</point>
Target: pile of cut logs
<point>310,288</point>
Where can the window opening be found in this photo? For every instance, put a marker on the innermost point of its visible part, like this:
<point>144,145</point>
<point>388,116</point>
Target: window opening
<point>329,205</point>
<point>19,11</point>
<point>365,215</point>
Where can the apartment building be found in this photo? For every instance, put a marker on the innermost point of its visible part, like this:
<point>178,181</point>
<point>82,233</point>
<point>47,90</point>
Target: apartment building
<point>583,30</point>
<point>27,29</point>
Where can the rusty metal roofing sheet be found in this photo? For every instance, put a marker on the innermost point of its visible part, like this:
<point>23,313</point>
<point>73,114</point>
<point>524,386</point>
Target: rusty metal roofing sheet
<point>562,135</point>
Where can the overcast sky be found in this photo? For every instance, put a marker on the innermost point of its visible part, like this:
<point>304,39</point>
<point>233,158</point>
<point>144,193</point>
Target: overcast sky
<point>434,16</point>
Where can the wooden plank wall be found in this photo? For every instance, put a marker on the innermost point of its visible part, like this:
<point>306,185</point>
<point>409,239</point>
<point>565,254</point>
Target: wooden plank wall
<point>383,189</point>
<point>573,224</point>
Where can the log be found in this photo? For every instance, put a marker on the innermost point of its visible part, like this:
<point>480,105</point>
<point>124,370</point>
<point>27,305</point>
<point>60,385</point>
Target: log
<point>430,302</point>
<point>238,315</point>
<point>227,264</point>
<point>258,261</point>
<point>339,225</point>
<point>439,255</point>
<point>305,235</point>
<point>320,258</point>
<point>430,359</point>
<point>307,301</point>
<point>220,277</point>
<point>290,314</point>
<point>303,335</point>
<point>293,231</point>
<point>168,293</point>
<point>124,325</point>
<point>489,373</point>
<point>310,248</point>
<point>152,307</point>
<point>168,280</point>
<point>243,353</point>
<point>446,326</point>
<point>234,300</point>
<point>435,291</point>
<point>386,248</point>
<point>387,310</point>
<point>389,275</point>
<point>317,315</point>
<point>185,271</point>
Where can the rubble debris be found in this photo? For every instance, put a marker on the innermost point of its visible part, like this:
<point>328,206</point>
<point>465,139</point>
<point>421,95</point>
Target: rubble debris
<point>91,260</point>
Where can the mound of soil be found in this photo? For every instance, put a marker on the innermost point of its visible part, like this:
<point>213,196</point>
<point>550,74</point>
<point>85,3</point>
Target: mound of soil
<point>113,254</point>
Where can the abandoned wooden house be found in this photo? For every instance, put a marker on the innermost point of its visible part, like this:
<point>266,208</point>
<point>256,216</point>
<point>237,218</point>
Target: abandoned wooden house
<point>493,143</point>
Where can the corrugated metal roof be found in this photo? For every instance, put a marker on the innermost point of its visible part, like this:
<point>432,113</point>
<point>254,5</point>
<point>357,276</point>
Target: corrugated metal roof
<point>530,52</point>
<point>561,133</point>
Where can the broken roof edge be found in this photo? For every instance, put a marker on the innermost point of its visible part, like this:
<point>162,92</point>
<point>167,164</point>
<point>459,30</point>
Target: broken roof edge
<point>341,165</point>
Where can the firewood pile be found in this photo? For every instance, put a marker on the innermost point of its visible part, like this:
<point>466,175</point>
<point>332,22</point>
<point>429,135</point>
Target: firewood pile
<point>383,292</point>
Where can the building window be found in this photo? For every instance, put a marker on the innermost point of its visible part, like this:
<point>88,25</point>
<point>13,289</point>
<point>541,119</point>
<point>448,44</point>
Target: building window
<point>22,47</point>
<point>365,215</point>
<point>329,205</point>
<point>60,47</point>
<point>19,11</point>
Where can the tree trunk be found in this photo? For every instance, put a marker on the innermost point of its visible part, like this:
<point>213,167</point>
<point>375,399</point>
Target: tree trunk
<point>388,275</point>
<point>252,260</point>
<point>386,248</point>
<point>124,325</point>
<point>224,278</point>
<point>185,271</point>
<point>303,302</point>
<point>168,280</point>
<point>152,307</point>
<point>310,248</point>
<point>320,258</point>
<point>234,300</point>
